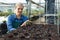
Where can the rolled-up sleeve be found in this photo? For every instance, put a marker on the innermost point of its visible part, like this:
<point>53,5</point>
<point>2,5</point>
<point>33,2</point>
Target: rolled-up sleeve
<point>9,23</point>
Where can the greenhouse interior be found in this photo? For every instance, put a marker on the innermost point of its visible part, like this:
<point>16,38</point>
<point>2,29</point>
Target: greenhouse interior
<point>43,14</point>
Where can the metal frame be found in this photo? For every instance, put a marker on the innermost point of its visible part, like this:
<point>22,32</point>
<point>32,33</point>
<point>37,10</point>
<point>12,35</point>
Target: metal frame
<point>46,5</point>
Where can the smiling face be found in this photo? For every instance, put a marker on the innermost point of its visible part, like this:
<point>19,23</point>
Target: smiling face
<point>19,9</point>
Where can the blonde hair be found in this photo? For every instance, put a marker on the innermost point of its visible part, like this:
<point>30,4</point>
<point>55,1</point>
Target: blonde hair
<point>19,4</point>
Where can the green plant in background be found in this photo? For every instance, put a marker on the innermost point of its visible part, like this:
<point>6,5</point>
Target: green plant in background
<point>37,12</point>
<point>34,12</point>
<point>9,11</point>
<point>25,12</point>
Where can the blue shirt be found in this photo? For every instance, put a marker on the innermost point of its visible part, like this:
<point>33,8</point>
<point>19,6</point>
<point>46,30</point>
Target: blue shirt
<point>13,22</point>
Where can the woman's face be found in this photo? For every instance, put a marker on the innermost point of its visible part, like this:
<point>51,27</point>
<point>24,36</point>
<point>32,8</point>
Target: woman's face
<point>19,9</point>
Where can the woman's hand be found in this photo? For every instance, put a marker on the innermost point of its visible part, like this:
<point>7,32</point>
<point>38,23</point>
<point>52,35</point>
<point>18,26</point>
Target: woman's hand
<point>24,24</point>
